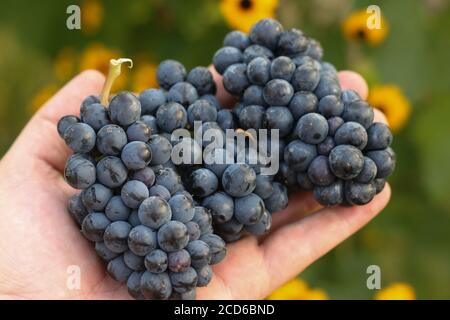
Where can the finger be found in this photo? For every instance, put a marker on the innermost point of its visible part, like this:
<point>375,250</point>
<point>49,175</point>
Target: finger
<point>379,116</point>
<point>238,276</point>
<point>226,283</point>
<point>301,204</point>
<point>294,247</point>
<point>350,80</point>
<point>69,98</point>
<point>353,81</point>
<point>225,99</point>
<point>40,138</point>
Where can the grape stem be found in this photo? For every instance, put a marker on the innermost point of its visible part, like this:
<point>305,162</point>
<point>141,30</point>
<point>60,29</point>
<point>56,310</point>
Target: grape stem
<point>245,133</point>
<point>115,67</point>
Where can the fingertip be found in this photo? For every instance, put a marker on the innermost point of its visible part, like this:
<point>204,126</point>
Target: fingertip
<point>318,233</point>
<point>351,80</point>
<point>225,99</point>
<point>379,116</point>
<point>360,215</point>
<point>68,99</point>
<point>384,196</point>
<point>40,135</point>
<point>94,77</point>
<point>217,77</point>
<point>363,214</point>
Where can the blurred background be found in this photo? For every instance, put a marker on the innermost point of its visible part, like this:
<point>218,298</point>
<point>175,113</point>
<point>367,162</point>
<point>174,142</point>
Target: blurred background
<point>405,63</point>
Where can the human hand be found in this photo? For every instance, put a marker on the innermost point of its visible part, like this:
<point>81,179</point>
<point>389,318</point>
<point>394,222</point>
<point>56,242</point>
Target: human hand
<point>40,241</point>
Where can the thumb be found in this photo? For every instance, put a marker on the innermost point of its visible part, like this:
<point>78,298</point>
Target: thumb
<point>69,98</point>
<point>39,139</point>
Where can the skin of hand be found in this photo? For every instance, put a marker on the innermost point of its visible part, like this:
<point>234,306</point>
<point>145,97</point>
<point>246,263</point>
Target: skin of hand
<point>39,241</point>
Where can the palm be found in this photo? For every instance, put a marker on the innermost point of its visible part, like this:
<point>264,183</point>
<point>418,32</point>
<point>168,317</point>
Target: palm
<point>41,242</point>
<point>46,241</point>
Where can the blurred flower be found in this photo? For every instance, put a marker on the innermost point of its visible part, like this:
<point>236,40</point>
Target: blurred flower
<point>65,64</point>
<point>144,77</point>
<point>91,16</point>
<point>393,103</point>
<point>355,28</point>
<point>290,291</point>
<point>97,57</point>
<point>396,291</point>
<point>41,97</point>
<point>297,289</point>
<point>242,14</point>
<point>316,294</point>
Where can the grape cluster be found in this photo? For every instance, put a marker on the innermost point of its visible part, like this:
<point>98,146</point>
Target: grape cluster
<point>149,230</point>
<point>225,190</point>
<point>329,141</point>
<point>159,211</point>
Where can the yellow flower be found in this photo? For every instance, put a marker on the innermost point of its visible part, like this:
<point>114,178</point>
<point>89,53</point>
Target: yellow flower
<point>144,77</point>
<point>316,294</point>
<point>355,28</point>
<point>97,57</point>
<point>91,16</point>
<point>297,289</point>
<point>65,64</point>
<point>396,291</point>
<point>393,103</point>
<point>41,97</point>
<point>290,291</point>
<point>242,14</point>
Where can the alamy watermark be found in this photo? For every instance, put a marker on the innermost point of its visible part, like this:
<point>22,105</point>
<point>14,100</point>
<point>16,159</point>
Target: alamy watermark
<point>253,147</point>
<point>73,21</point>
<point>73,281</point>
<point>374,280</point>
<point>374,20</point>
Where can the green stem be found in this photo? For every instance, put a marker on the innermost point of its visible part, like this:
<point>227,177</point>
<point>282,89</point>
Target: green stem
<point>113,73</point>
